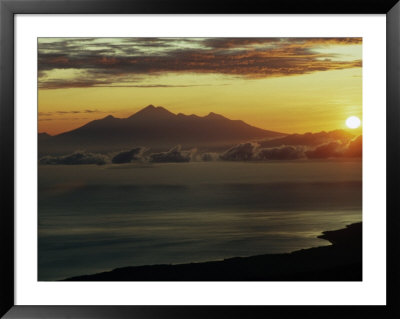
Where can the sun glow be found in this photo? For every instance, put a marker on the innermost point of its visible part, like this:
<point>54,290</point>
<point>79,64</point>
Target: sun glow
<point>353,122</point>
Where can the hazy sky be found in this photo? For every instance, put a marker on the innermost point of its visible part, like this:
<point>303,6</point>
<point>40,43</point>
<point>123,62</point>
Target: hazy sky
<point>291,85</point>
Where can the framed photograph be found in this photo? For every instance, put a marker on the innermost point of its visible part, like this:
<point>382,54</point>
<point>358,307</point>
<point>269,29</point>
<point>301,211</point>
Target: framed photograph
<point>165,159</point>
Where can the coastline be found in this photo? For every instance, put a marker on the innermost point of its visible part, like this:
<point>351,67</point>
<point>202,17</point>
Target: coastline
<point>340,261</point>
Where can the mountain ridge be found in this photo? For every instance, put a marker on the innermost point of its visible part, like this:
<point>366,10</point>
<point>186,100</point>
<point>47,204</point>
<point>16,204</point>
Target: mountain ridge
<point>155,126</point>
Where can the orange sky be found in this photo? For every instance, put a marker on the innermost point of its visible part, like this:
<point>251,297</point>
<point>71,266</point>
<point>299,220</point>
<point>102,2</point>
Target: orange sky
<point>289,85</point>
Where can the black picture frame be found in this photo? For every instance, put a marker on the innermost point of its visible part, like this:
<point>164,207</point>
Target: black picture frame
<point>9,8</point>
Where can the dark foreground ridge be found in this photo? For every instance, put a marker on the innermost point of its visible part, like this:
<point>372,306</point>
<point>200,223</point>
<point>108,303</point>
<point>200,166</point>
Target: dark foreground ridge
<point>341,261</point>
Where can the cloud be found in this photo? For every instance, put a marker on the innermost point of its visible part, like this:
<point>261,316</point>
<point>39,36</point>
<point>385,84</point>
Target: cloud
<point>128,156</point>
<point>208,157</point>
<point>228,43</point>
<point>174,155</point>
<point>76,158</point>
<point>355,148</point>
<point>310,139</point>
<point>241,152</point>
<point>61,84</point>
<point>109,62</point>
<point>69,112</point>
<point>280,153</point>
<point>253,152</point>
<point>313,146</point>
<point>150,86</point>
<point>333,149</point>
<point>337,149</point>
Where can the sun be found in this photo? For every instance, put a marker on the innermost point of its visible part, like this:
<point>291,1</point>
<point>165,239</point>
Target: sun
<point>353,122</point>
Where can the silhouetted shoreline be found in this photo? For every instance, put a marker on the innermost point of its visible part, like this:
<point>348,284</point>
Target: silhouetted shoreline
<point>341,261</point>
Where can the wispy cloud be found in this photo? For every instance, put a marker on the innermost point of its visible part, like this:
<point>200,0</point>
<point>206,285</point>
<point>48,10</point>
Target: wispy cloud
<point>60,84</point>
<point>68,112</point>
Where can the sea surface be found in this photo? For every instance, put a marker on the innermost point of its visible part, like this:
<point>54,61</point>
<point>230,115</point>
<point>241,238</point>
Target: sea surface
<point>96,218</point>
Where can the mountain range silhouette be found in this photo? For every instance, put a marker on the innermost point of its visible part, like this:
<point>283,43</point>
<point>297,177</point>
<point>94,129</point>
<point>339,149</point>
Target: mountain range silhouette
<point>154,127</point>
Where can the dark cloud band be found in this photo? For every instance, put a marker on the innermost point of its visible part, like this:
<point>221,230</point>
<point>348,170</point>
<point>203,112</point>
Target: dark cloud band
<point>107,63</point>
